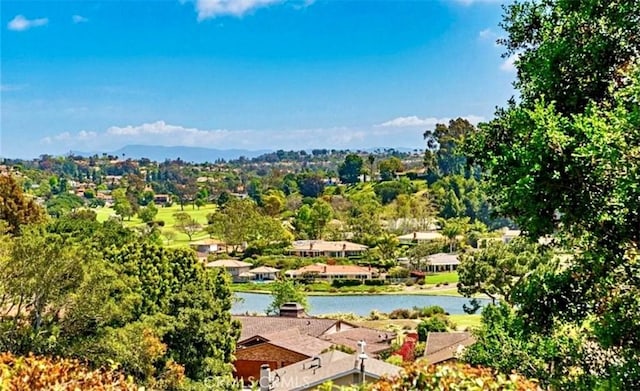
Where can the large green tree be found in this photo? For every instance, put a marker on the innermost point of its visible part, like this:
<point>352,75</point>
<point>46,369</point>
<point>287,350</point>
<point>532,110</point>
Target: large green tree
<point>563,160</point>
<point>191,305</point>
<point>240,222</point>
<point>286,291</point>
<point>498,268</point>
<point>15,207</point>
<point>350,170</point>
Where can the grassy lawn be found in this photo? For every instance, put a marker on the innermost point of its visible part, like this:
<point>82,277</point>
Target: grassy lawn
<point>441,278</point>
<point>320,288</point>
<point>166,215</point>
<point>463,322</point>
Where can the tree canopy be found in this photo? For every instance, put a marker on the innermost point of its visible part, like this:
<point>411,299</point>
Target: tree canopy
<point>563,161</point>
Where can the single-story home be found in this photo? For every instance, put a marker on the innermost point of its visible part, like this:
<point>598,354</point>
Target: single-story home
<point>323,248</point>
<point>162,199</point>
<point>279,349</point>
<point>445,347</point>
<point>420,237</point>
<point>265,273</point>
<point>234,267</point>
<point>330,272</point>
<point>208,246</point>
<point>340,368</point>
<point>442,262</point>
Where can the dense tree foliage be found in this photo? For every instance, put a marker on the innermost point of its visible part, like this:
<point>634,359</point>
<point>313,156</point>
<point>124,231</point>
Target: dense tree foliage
<point>78,288</point>
<point>497,268</point>
<point>564,160</point>
<point>15,208</point>
<point>351,169</point>
<point>240,223</point>
<point>286,291</point>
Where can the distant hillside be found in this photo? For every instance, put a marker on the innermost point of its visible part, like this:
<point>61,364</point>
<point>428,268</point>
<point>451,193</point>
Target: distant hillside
<point>187,154</point>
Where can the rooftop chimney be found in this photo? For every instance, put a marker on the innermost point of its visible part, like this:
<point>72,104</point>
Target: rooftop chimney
<point>292,310</point>
<point>265,377</point>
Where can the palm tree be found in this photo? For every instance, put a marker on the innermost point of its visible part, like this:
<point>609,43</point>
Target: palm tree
<point>371,159</point>
<point>453,228</point>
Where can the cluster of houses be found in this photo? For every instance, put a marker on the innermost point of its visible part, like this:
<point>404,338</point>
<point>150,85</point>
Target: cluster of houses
<point>244,271</point>
<point>293,351</point>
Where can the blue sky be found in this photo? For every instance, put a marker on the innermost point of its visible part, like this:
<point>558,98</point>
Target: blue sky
<point>253,74</point>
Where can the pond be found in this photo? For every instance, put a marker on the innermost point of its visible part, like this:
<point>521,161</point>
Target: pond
<point>357,304</point>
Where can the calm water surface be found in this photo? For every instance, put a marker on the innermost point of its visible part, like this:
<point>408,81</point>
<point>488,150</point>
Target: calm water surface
<point>360,305</point>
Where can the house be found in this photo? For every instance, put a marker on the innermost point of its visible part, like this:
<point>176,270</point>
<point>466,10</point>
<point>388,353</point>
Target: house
<point>277,350</point>
<point>162,199</point>
<point>322,248</point>
<point>265,273</point>
<point>340,368</point>
<point>509,234</point>
<point>435,263</point>
<point>330,272</point>
<point>445,347</point>
<point>377,341</point>
<point>420,237</point>
<point>236,268</point>
<point>279,341</point>
<point>442,262</point>
<point>253,326</point>
<point>208,246</point>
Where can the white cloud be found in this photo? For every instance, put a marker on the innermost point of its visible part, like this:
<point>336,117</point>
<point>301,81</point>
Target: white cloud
<point>487,34</point>
<point>209,9</point>
<point>415,121</point>
<point>162,133</point>
<point>508,65</point>
<point>20,23</point>
<point>79,19</point>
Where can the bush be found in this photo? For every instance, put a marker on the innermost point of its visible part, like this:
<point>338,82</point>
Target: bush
<point>342,282</point>
<point>399,313</point>
<point>395,359</point>
<point>40,372</point>
<point>428,311</point>
<point>375,282</point>
<point>409,283</point>
<point>439,323</point>
<point>422,376</point>
<point>420,282</point>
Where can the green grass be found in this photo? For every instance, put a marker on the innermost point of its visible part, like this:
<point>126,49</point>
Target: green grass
<point>462,321</point>
<point>465,321</point>
<point>441,278</point>
<point>166,215</point>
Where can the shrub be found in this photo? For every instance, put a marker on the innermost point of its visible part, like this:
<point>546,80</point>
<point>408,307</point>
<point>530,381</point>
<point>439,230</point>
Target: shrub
<point>342,282</point>
<point>428,311</point>
<point>375,282</point>
<point>40,372</point>
<point>437,323</point>
<point>395,359</point>
<point>420,282</point>
<point>400,313</point>
<point>422,376</point>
